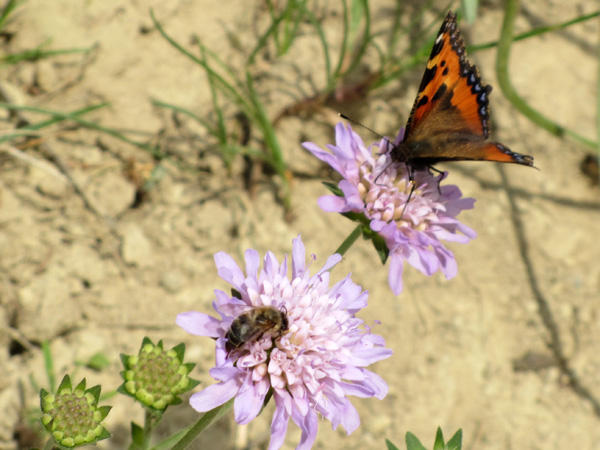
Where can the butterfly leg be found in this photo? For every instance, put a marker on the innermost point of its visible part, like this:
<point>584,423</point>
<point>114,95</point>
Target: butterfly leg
<point>411,179</point>
<point>387,143</point>
<point>441,174</point>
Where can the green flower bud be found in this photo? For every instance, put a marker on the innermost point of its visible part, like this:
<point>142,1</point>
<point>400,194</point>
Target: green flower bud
<point>72,416</point>
<point>155,377</point>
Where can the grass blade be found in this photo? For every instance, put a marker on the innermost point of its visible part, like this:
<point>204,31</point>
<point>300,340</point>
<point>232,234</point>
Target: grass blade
<point>504,45</point>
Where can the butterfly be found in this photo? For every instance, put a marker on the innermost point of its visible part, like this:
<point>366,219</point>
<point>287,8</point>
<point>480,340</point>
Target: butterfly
<point>450,119</point>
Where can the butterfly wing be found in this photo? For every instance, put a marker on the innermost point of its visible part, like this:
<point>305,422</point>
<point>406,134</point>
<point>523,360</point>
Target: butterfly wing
<point>450,117</point>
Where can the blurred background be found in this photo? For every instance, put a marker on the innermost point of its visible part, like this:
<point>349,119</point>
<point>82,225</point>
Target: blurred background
<point>141,137</point>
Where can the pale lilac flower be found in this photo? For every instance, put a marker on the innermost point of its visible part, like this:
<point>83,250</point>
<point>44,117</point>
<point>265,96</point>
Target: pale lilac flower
<point>312,367</point>
<point>378,189</point>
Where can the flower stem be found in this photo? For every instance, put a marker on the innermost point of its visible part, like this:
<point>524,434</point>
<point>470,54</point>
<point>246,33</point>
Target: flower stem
<point>342,249</point>
<point>202,424</point>
<point>147,429</point>
<point>49,444</point>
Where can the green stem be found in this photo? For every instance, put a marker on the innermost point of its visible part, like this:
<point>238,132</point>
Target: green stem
<point>148,425</point>
<point>598,110</point>
<point>504,45</point>
<point>49,365</point>
<point>536,31</point>
<point>202,424</point>
<point>342,249</point>
<point>49,444</point>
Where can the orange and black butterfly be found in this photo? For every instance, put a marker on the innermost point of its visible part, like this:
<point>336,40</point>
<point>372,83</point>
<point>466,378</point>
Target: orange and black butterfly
<point>450,117</point>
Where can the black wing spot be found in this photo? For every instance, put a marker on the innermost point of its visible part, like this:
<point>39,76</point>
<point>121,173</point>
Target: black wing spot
<point>423,101</point>
<point>446,71</point>
<point>440,92</point>
<point>437,48</point>
<point>427,77</point>
<point>446,103</point>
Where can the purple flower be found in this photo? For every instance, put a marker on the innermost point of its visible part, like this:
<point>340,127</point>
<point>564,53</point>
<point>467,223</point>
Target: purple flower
<point>311,366</point>
<point>377,188</point>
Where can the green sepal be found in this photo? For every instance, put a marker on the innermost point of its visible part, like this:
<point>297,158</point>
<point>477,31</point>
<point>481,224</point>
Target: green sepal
<point>95,391</point>
<point>333,188</point>
<point>180,351</point>
<point>357,217</point>
<point>191,384</point>
<point>380,247</point>
<point>104,434</point>
<point>124,360</point>
<point>80,387</point>
<point>103,410</point>
<point>66,384</point>
<point>121,390</point>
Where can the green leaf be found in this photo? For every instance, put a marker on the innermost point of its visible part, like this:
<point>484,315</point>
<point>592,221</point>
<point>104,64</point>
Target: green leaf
<point>97,362</point>
<point>413,443</point>
<point>137,434</point>
<point>390,445</point>
<point>439,440</point>
<point>455,443</point>
<point>8,9</point>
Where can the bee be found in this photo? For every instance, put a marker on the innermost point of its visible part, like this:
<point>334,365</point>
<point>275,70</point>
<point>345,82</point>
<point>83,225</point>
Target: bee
<point>255,323</point>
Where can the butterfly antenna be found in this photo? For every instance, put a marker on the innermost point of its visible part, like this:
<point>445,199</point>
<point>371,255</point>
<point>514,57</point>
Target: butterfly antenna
<point>343,116</point>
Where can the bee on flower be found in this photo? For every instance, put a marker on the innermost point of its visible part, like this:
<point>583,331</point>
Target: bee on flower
<point>309,351</point>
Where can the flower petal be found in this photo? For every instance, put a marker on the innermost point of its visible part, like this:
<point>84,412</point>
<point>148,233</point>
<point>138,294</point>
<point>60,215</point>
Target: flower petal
<point>332,203</point>
<point>395,273</point>
<point>308,424</point>
<point>228,269</point>
<point>298,257</point>
<point>248,402</point>
<point>199,324</point>
<point>279,423</point>
<point>214,395</point>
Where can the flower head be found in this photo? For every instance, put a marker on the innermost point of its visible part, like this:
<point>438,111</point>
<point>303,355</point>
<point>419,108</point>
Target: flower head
<point>156,377</point>
<point>310,364</point>
<point>73,416</point>
<point>378,189</point>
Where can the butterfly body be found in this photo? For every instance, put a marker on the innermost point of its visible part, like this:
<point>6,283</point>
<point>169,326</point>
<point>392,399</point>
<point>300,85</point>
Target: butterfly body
<point>449,120</point>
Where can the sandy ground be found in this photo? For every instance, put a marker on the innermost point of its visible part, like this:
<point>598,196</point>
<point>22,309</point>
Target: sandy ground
<point>93,283</point>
